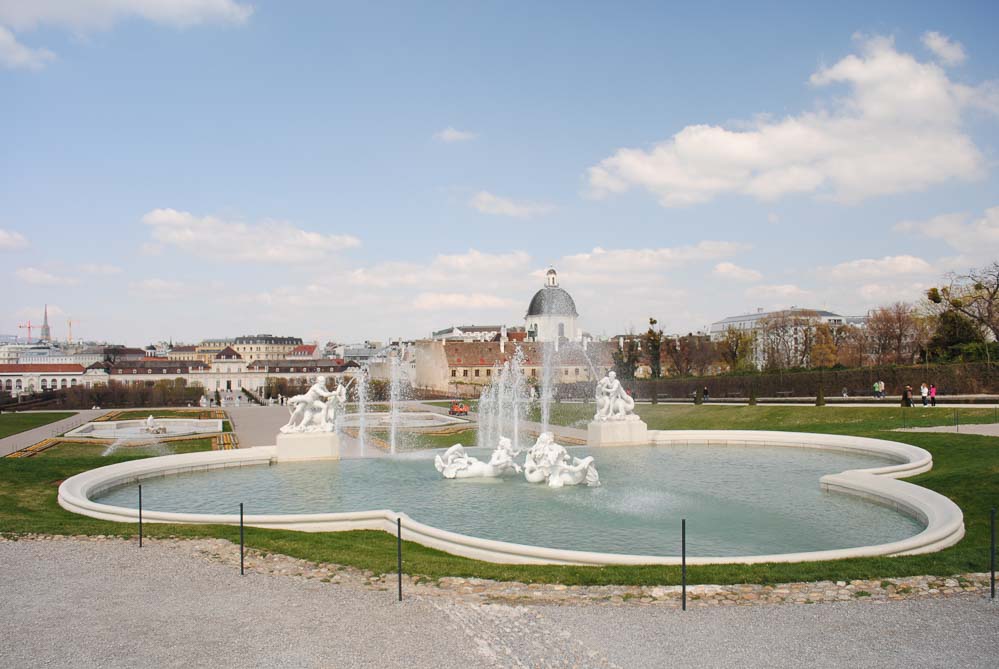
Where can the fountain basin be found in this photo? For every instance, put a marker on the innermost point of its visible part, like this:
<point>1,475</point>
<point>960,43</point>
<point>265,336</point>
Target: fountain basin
<point>503,522</point>
<point>129,429</point>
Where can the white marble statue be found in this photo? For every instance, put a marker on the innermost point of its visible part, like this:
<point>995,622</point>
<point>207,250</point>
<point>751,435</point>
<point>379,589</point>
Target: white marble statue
<point>613,403</point>
<point>314,410</point>
<point>457,464</point>
<point>548,462</point>
<point>151,427</point>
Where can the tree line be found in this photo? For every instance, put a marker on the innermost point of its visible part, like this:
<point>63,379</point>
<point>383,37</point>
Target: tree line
<point>957,321</point>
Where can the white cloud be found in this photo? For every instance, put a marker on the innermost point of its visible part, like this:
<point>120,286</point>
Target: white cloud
<point>732,271</point>
<point>888,266</point>
<point>977,239</point>
<point>446,269</point>
<point>951,53</point>
<point>10,240</point>
<point>488,203</point>
<point>158,289</point>
<point>616,265</point>
<point>462,302</point>
<point>14,55</point>
<point>881,293</point>
<point>898,129</point>
<point>451,135</point>
<point>85,15</point>
<point>268,241</point>
<point>784,291</point>
<point>40,277</point>
<point>82,16</point>
<point>100,269</point>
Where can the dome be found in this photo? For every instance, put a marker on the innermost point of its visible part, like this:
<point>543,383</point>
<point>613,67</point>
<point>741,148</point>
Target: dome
<point>552,301</point>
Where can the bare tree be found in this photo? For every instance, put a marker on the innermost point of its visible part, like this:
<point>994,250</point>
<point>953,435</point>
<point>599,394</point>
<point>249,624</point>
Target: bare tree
<point>735,349</point>
<point>894,334</point>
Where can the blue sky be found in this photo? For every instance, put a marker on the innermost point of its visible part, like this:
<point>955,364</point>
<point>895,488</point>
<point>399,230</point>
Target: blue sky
<point>371,170</point>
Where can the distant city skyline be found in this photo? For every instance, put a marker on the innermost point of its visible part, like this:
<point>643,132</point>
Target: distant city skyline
<point>226,167</point>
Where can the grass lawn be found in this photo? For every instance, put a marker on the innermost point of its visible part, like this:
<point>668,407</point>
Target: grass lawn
<point>12,423</point>
<point>74,450</point>
<point>142,414</point>
<point>420,440</point>
<point>966,469</point>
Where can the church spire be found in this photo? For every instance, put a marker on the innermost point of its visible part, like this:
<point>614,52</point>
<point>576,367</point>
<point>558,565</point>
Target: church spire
<point>46,333</point>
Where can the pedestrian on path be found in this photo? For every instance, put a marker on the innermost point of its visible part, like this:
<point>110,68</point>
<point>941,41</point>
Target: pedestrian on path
<point>924,392</point>
<point>933,394</point>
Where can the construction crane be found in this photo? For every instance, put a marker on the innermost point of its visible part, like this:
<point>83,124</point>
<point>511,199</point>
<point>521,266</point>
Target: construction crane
<point>69,331</point>
<point>27,326</point>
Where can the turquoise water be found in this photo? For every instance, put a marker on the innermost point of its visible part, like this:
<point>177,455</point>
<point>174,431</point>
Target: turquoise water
<point>737,500</point>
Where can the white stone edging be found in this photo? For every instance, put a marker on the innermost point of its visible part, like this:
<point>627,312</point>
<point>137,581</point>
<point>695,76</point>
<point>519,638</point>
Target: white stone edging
<point>943,518</point>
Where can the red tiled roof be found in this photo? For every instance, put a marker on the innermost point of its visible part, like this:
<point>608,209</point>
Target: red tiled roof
<point>303,350</point>
<point>228,353</point>
<point>47,369</point>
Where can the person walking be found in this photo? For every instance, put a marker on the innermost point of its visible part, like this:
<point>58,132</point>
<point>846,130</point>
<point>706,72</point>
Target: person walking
<point>924,392</point>
<point>877,387</point>
<point>881,389</point>
<point>907,396</point>
<point>933,394</point>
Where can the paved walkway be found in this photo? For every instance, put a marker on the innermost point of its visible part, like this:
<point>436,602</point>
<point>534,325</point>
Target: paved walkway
<point>111,604</point>
<point>16,442</point>
<point>989,430</point>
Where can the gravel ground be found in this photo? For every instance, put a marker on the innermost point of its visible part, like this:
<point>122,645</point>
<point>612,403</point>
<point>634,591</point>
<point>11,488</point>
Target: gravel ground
<point>108,604</point>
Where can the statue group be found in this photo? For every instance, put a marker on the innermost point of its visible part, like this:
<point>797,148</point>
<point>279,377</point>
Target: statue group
<point>545,462</point>
<point>315,409</point>
<point>613,402</point>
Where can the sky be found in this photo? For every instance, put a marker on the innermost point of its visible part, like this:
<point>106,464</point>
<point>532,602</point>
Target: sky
<point>347,171</point>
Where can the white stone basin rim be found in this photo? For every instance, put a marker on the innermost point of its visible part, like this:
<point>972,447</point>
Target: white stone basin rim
<point>943,518</point>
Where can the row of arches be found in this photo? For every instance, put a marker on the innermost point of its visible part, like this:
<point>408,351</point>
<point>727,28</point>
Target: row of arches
<point>44,384</point>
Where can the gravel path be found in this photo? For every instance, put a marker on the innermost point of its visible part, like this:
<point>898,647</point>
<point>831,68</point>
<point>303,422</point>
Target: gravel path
<point>108,604</point>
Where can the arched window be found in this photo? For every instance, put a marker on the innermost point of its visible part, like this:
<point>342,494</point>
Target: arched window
<point>8,384</point>
<point>45,384</point>
<point>72,383</point>
<point>64,384</point>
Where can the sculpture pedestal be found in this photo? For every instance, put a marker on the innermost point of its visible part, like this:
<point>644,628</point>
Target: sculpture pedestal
<point>617,433</point>
<point>308,446</point>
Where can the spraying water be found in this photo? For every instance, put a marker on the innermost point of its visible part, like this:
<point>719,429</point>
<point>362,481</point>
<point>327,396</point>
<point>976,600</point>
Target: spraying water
<point>503,403</point>
<point>362,407</point>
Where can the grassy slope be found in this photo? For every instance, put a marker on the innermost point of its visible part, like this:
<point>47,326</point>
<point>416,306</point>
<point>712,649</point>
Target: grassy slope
<point>966,469</point>
<point>12,423</point>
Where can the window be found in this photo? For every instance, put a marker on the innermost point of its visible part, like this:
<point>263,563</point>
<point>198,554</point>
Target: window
<point>454,372</point>
<point>476,372</point>
<point>577,371</point>
<point>565,372</point>
<point>534,371</point>
<point>489,372</point>
<point>464,372</point>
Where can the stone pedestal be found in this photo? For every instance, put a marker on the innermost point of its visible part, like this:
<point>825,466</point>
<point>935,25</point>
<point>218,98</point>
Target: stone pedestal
<point>632,432</point>
<point>308,446</point>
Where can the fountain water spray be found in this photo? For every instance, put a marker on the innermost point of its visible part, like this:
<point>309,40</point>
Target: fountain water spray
<point>362,407</point>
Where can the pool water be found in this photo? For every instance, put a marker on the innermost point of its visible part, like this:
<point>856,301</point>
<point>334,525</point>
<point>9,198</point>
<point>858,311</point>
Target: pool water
<point>737,500</point>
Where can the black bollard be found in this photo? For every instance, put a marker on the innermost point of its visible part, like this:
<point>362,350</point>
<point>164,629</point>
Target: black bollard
<point>683,563</point>
<point>398,545</point>
<point>957,423</point>
<point>992,553</point>
<point>241,538</point>
<point>140,515</point>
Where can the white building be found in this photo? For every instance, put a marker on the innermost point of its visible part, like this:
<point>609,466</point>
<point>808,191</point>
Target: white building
<point>21,379</point>
<point>551,315</point>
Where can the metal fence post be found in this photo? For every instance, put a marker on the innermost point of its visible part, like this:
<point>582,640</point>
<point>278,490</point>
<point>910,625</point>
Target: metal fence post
<point>140,515</point>
<point>398,545</point>
<point>683,563</point>
<point>992,553</point>
<point>241,537</point>
<point>957,422</point>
